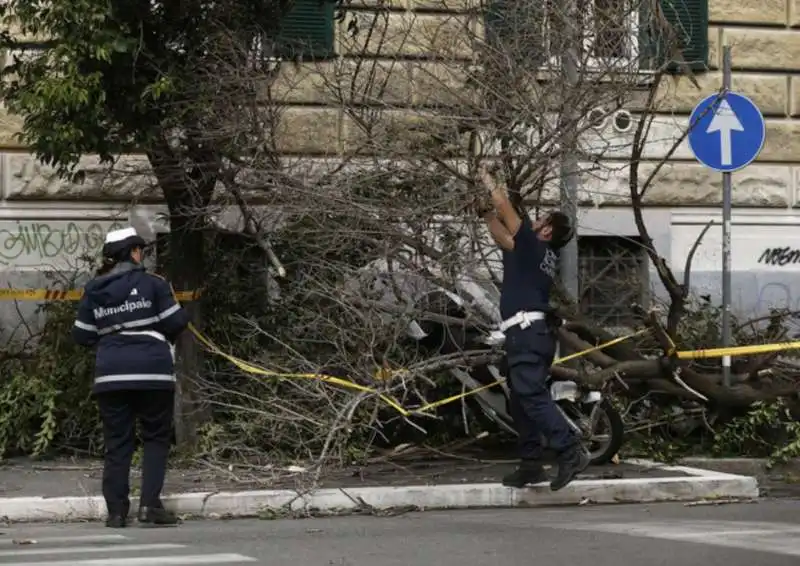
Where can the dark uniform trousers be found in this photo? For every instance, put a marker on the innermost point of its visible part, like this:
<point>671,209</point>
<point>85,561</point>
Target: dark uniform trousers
<point>530,353</point>
<point>120,410</point>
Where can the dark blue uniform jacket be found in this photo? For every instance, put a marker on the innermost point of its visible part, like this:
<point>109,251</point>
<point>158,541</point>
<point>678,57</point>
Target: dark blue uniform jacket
<point>133,319</point>
<point>528,273</point>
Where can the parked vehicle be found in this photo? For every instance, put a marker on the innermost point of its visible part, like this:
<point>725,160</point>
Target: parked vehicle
<point>593,417</point>
<point>589,412</point>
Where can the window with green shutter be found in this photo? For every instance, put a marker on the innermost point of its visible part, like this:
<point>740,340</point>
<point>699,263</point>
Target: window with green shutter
<point>516,29</point>
<point>520,28</point>
<point>531,31</point>
<point>306,30</point>
<point>689,20</point>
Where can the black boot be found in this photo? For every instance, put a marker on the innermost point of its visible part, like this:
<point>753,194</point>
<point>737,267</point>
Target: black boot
<point>156,517</point>
<point>119,519</point>
<point>528,472</point>
<point>571,462</point>
<point>116,521</point>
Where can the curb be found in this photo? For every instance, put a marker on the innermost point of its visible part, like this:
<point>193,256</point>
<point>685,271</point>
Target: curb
<point>746,466</point>
<point>697,485</point>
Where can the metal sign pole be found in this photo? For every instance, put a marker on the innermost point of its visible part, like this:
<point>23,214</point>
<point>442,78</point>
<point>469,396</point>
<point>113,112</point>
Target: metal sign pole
<point>726,133</point>
<point>726,237</point>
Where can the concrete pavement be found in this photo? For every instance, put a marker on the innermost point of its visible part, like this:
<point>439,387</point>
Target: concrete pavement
<point>766,533</point>
<point>667,483</point>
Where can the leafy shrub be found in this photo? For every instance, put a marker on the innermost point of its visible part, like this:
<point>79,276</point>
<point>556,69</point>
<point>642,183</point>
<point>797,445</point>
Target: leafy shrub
<point>45,401</point>
<point>768,430</point>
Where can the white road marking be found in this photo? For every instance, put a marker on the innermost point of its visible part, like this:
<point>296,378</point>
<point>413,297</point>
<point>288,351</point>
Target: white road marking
<point>734,533</point>
<point>774,538</point>
<point>32,549</point>
<point>53,540</point>
<point>186,560</point>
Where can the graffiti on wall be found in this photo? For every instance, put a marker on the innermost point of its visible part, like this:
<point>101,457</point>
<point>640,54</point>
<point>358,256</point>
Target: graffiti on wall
<point>765,261</point>
<point>779,256</point>
<point>761,248</point>
<point>50,244</point>
<point>777,295</point>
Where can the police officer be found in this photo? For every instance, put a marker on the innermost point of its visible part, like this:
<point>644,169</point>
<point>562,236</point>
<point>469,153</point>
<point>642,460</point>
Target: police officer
<point>132,318</point>
<point>530,255</point>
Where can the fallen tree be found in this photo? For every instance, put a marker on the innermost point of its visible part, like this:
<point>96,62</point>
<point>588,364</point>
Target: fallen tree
<point>334,259</point>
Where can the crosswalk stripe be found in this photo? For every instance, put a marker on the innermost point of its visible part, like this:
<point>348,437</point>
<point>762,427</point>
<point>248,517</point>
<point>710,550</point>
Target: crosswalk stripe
<point>773,538</point>
<point>29,550</point>
<point>53,540</point>
<point>724,534</point>
<point>186,560</point>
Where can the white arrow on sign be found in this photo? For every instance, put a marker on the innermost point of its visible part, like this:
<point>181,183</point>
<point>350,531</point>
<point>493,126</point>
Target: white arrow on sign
<point>725,122</point>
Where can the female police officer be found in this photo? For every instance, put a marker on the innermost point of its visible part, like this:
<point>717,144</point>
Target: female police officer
<point>133,319</point>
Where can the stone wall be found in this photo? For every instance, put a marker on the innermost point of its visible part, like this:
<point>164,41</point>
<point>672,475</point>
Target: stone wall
<point>44,246</point>
<point>765,46</point>
<point>406,70</point>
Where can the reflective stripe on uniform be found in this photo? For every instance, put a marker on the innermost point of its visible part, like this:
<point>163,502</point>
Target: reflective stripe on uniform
<point>169,312</point>
<point>150,333</point>
<point>86,327</point>
<point>134,377</point>
<point>141,321</point>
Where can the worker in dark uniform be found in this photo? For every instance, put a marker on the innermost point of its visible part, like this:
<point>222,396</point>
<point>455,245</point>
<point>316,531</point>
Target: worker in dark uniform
<point>530,256</point>
<point>132,318</point>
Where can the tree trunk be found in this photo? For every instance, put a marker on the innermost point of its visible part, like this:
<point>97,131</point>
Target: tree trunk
<point>185,270</point>
<point>188,194</point>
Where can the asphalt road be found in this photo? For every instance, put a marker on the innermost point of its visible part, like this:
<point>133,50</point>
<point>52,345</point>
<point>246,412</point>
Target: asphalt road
<point>766,533</point>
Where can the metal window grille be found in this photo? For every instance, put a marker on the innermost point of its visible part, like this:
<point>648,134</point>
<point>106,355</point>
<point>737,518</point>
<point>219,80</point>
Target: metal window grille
<point>613,275</point>
<point>531,30</point>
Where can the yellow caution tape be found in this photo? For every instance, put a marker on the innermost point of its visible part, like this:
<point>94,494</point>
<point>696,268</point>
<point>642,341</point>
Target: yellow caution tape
<point>385,373</point>
<point>68,295</point>
<point>557,361</point>
<point>257,370</point>
<point>737,350</point>
<point>382,373</point>
<point>602,346</point>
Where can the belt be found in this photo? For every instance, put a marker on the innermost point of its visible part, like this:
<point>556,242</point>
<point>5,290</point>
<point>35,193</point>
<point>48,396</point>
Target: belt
<point>523,319</point>
<point>151,334</point>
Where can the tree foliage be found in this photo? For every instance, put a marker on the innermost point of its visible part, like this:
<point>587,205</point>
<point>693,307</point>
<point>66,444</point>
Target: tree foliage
<point>109,78</point>
<point>106,79</point>
<point>367,235</point>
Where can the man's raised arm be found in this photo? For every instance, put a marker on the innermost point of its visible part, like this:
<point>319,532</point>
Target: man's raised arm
<point>497,229</point>
<point>500,217</point>
<point>501,203</point>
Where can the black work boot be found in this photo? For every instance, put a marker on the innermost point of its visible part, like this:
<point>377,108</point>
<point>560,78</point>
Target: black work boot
<point>528,472</point>
<point>156,517</point>
<point>116,521</point>
<point>571,462</point>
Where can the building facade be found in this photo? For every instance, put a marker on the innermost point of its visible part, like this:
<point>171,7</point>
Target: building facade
<point>46,224</point>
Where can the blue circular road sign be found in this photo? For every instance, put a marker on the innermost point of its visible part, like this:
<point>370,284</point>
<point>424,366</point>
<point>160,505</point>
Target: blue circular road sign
<point>726,133</point>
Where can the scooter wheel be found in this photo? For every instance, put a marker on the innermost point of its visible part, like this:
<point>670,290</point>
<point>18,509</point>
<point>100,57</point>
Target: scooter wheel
<point>608,436</point>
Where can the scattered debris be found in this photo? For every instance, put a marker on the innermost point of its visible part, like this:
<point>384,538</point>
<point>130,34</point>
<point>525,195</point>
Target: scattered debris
<point>727,501</point>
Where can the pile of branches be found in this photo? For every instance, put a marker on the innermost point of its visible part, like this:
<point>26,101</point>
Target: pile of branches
<point>394,298</point>
<point>338,261</point>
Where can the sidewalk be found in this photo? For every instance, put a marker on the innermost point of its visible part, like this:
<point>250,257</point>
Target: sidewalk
<point>70,490</point>
<point>782,480</point>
